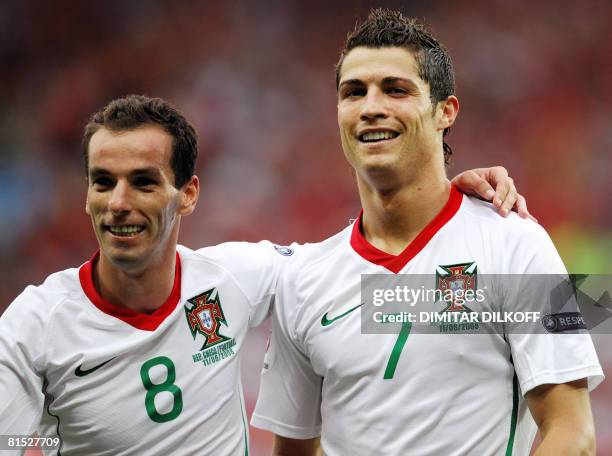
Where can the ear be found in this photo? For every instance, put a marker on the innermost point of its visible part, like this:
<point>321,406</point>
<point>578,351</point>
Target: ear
<point>447,112</point>
<point>190,192</point>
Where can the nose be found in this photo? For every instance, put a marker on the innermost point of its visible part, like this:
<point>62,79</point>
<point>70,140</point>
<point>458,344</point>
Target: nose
<point>374,105</point>
<point>119,201</point>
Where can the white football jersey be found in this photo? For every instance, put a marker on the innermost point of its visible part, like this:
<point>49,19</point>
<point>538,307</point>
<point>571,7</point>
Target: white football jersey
<point>411,394</point>
<point>108,380</point>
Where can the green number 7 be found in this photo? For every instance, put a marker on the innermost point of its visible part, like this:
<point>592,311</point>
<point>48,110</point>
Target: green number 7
<point>397,350</point>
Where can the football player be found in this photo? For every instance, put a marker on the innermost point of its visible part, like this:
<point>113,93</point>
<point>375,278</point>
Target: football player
<point>421,394</point>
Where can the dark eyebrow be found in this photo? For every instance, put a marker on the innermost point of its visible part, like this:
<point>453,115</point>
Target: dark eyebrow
<point>388,80</point>
<point>150,171</point>
<point>97,172</point>
<point>350,82</point>
<point>394,79</point>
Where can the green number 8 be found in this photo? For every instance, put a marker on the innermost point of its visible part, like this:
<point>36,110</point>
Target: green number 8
<point>154,389</point>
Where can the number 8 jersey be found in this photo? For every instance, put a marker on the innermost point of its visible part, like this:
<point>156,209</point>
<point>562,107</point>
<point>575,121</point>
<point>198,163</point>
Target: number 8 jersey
<point>108,380</point>
<point>411,394</point>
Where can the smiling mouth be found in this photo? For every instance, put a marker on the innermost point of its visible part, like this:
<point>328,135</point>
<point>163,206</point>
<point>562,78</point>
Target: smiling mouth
<point>377,136</point>
<point>124,230</point>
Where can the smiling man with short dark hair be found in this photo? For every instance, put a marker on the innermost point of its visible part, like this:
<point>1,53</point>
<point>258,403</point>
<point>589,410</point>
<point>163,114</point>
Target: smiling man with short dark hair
<point>422,394</point>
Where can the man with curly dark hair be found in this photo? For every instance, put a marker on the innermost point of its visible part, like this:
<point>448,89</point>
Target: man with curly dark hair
<point>448,393</point>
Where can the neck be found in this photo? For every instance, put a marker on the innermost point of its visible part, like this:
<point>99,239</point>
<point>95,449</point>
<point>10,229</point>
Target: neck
<point>392,218</point>
<point>142,291</point>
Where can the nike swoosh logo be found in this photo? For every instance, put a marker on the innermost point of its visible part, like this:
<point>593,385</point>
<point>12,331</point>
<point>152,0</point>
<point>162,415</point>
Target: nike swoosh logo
<point>328,321</point>
<point>82,373</point>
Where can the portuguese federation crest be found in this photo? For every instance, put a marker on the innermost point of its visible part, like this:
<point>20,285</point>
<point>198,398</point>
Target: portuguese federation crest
<point>205,316</point>
<point>453,283</point>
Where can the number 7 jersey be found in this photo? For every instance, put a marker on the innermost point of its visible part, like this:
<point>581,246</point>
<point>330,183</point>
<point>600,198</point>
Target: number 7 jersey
<point>411,394</point>
<point>108,380</point>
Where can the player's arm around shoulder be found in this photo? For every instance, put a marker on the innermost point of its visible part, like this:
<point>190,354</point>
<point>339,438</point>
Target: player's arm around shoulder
<point>255,268</point>
<point>563,415</point>
<point>284,446</point>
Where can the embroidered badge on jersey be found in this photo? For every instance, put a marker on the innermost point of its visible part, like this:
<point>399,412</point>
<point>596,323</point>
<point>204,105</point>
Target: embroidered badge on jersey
<point>456,284</point>
<point>454,281</point>
<point>205,316</point>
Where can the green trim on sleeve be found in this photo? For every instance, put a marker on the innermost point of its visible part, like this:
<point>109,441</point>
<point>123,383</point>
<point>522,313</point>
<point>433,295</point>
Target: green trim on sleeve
<point>515,403</point>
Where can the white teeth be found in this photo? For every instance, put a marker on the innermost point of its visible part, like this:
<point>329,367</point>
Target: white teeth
<point>125,230</point>
<point>378,135</point>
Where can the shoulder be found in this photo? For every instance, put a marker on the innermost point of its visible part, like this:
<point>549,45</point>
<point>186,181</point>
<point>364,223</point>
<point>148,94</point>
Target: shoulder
<point>254,267</point>
<point>523,242</point>
<point>485,214</point>
<point>33,310</point>
<point>313,263</point>
<point>55,289</point>
<point>316,254</point>
<point>226,251</point>
<point>240,257</point>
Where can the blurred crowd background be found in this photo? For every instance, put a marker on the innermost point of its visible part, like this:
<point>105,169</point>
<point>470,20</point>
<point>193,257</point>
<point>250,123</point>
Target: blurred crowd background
<point>256,79</point>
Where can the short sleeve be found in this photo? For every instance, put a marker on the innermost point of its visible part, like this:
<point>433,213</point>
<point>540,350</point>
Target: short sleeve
<point>289,400</point>
<point>539,356</point>
<point>21,347</point>
<point>256,268</point>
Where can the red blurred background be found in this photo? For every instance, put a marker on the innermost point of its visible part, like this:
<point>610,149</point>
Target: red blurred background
<point>256,79</point>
